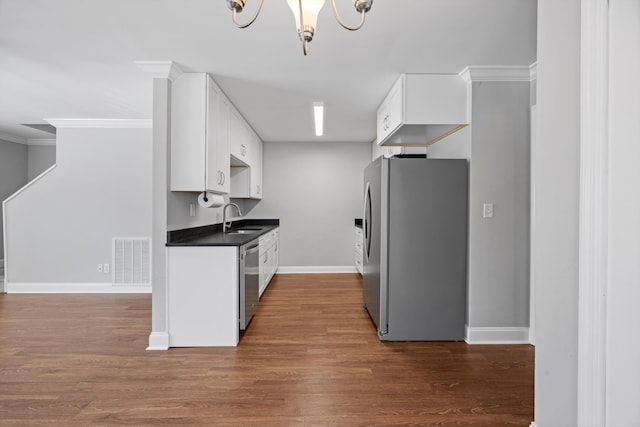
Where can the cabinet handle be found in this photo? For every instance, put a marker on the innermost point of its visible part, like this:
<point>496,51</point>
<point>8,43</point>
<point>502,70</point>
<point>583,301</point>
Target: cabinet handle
<point>243,150</point>
<point>224,178</point>
<point>219,178</point>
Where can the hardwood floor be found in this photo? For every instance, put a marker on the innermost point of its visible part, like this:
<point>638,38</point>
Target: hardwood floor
<point>309,358</point>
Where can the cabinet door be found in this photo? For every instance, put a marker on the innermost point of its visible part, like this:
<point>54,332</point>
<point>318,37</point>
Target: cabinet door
<point>276,254</point>
<point>240,137</point>
<point>223,161</point>
<point>381,122</point>
<point>359,250</point>
<point>391,112</point>
<point>256,167</point>
<point>395,106</point>
<point>188,132</point>
<point>217,140</point>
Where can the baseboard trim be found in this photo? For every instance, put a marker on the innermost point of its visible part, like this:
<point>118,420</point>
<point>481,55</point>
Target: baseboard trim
<point>158,341</point>
<point>74,288</point>
<point>497,335</point>
<point>317,269</point>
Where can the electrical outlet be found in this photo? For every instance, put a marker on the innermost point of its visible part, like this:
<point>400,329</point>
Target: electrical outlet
<point>487,210</point>
<point>99,268</point>
<point>105,268</point>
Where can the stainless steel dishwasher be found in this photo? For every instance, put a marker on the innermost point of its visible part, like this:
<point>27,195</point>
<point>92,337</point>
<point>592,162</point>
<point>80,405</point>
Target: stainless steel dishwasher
<point>249,282</point>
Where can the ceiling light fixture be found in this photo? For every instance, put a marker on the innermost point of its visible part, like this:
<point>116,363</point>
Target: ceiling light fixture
<point>318,115</point>
<point>306,14</point>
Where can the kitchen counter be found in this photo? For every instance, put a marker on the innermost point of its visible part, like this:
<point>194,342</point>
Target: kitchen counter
<point>212,235</point>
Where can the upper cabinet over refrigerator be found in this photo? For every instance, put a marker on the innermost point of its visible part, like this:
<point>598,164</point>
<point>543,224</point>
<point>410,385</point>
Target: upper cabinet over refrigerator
<point>421,109</point>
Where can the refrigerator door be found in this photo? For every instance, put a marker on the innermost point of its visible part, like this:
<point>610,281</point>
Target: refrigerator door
<point>372,232</point>
<point>427,244</point>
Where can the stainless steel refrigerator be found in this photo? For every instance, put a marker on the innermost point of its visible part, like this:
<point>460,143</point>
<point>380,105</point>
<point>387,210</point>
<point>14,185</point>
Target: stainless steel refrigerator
<point>415,248</point>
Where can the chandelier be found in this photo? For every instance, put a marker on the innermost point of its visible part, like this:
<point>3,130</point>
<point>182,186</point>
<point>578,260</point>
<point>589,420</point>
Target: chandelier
<point>306,14</point>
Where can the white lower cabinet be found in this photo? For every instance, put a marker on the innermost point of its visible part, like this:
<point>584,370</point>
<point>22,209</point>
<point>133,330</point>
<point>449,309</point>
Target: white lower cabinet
<point>358,250</point>
<point>203,296</point>
<point>268,250</point>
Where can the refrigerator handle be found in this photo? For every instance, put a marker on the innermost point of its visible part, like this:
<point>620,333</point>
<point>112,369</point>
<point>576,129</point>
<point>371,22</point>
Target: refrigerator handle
<point>366,221</point>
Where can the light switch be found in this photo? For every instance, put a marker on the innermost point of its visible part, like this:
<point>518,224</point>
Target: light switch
<point>192,209</point>
<point>487,210</point>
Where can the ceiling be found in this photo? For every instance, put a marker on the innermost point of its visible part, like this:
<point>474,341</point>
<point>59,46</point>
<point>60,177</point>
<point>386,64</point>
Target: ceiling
<point>76,58</point>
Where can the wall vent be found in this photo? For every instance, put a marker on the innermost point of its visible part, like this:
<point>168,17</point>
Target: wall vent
<point>131,261</point>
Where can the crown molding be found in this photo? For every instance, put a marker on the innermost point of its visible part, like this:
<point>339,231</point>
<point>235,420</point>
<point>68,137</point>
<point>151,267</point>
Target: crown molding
<point>41,141</point>
<point>497,73</point>
<point>13,138</point>
<point>160,69</point>
<point>101,123</point>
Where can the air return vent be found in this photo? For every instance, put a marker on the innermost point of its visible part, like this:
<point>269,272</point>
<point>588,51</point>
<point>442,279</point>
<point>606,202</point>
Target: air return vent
<point>131,261</point>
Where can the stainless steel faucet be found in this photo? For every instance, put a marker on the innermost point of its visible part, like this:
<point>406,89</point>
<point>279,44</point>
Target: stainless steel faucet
<point>224,216</point>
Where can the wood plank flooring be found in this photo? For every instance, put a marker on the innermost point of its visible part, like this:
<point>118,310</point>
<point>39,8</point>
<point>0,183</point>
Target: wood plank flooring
<point>309,358</point>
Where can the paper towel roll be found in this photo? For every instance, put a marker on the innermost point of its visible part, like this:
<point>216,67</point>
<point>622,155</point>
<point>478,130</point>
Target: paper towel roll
<point>209,200</point>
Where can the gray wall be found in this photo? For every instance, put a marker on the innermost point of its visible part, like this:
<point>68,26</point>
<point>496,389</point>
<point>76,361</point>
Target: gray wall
<point>316,191</point>
<point>497,145</point>
<point>62,226</point>
<point>40,158</point>
<point>499,174</point>
<point>455,146</point>
<point>13,175</point>
<point>557,154</point>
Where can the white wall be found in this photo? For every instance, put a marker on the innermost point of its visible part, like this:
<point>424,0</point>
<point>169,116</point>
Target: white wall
<point>40,158</point>
<point>62,226</point>
<point>623,322</point>
<point>557,155</point>
<point>316,192</point>
<point>13,175</point>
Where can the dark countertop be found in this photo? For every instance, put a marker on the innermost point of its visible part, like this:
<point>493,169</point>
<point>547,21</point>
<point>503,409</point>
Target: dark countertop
<point>358,222</point>
<point>212,235</point>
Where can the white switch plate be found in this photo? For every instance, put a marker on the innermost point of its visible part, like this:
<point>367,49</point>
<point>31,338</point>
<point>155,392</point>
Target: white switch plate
<point>487,210</point>
<point>192,209</point>
<point>105,268</point>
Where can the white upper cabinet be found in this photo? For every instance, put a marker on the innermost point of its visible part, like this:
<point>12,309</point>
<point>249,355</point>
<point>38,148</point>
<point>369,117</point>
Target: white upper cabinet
<point>199,135</point>
<point>256,168</point>
<point>246,181</point>
<point>240,139</point>
<point>391,111</point>
<point>421,109</point>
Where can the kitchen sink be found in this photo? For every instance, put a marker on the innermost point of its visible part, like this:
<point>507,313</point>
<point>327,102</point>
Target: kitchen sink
<point>244,231</point>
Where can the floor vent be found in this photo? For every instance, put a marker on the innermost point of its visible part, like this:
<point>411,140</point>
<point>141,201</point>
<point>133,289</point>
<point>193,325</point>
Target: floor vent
<point>131,261</point>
